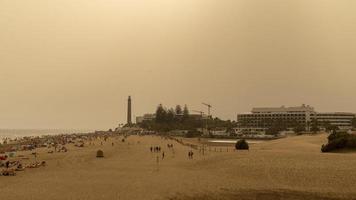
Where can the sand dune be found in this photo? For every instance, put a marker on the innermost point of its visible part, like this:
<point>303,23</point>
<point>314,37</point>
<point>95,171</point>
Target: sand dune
<point>290,168</point>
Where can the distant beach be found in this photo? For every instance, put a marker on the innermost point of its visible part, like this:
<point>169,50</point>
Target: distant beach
<point>19,133</point>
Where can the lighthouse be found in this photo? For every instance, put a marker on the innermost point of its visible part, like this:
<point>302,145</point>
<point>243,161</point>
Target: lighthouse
<point>129,121</point>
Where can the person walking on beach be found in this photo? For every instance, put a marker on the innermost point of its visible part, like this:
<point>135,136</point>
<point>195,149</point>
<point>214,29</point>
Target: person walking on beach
<point>162,155</point>
<point>151,149</point>
<point>190,154</point>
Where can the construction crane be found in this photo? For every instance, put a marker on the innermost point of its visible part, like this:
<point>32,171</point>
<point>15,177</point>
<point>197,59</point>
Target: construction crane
<point>209,107</point>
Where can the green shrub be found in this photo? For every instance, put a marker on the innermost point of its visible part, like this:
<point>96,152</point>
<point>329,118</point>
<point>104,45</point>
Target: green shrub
<point>242,145</point>
<point>192,134</point>
<point>351,142</point>
<point>339,140</point>
<point>299,129</point>
<point>336,135</point>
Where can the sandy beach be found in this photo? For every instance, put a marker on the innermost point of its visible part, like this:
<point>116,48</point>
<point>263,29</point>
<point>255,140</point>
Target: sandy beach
<point>289,168</point>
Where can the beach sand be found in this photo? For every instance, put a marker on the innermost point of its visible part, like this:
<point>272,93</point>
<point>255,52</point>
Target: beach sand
<point>290,168</point>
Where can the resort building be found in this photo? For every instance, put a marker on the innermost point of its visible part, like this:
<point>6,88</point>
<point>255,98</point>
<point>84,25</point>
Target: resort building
<point>145,117</point>
<point>343,120</point>
<point>261,119</point>
<point>219,131</point>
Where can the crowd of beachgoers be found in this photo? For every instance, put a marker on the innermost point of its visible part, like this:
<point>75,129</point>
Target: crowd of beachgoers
<point>12,160</point>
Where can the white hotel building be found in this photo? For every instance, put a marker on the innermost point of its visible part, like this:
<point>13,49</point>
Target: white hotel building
<point>341,119</point>
<point>260,119</point>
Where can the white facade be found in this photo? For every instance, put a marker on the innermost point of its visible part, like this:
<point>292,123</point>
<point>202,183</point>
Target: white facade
<point>219,132</point>
<point>343,120</point>
<point>139,119</point>
<point>261,119</point>
<point>145,117</point>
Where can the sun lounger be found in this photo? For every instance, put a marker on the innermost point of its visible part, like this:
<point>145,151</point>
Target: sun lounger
<point>8,172</point>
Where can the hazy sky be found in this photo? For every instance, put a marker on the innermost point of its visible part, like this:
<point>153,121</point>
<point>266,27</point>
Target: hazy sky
<point>72,64</point>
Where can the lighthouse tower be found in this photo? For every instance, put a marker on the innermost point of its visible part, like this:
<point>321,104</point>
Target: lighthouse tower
<point>129,120</point>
